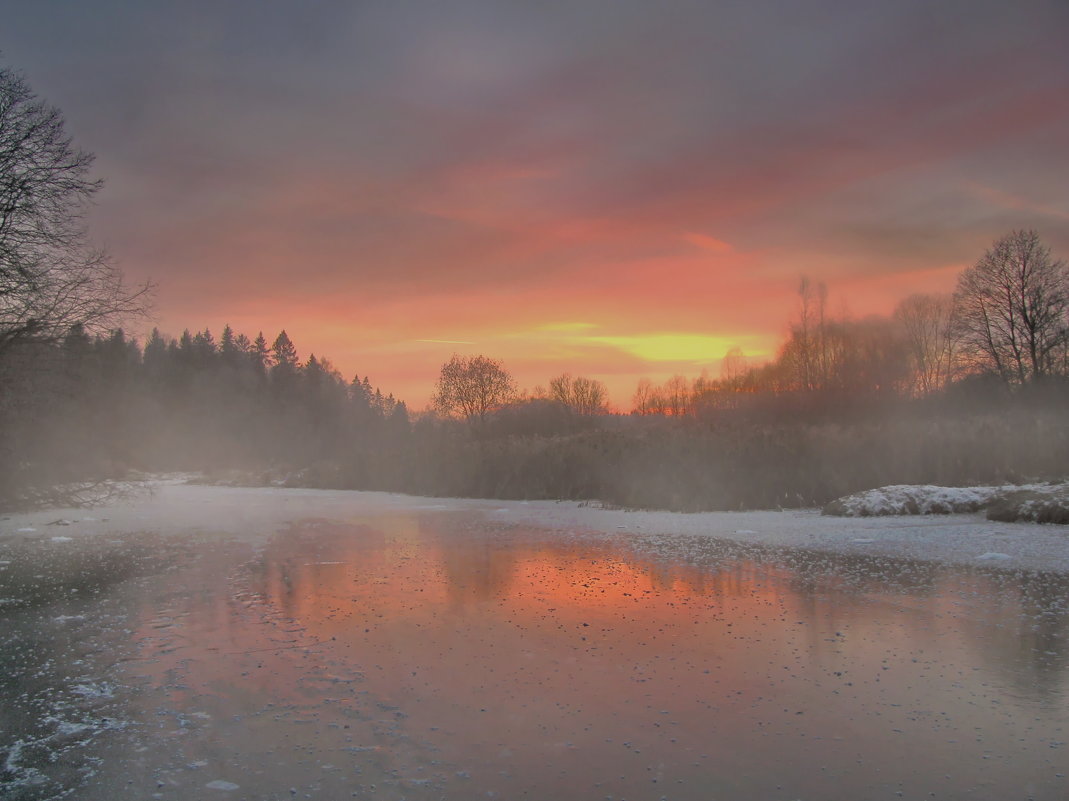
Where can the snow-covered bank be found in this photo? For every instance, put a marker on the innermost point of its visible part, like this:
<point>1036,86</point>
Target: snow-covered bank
<point>1033,503</point>
<point>174,508</point>
<point>909,499</point>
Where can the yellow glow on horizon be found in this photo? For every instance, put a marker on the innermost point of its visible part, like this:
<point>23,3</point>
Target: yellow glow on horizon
<point>671,347</point>
<point>583,340</point>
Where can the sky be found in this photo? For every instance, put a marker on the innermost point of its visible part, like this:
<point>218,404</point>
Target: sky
<point>609,188</point>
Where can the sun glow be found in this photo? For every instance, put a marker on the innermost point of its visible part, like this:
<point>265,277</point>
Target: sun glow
<point>656,347</point>
<point>673,347</point>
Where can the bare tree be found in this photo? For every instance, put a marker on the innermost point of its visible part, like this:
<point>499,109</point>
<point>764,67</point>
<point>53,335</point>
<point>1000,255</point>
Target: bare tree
<point>810,336</point>
<point>642,400</point>
<point>927,322</point>
<point>583,396</point>
<point>473,386</point>
<point>1012,308</point>
<point>50,277</point>
<point>677,396</point>
<point>733,367</point>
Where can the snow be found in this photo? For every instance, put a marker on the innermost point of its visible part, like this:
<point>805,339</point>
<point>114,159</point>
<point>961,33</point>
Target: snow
<point>908,499</point>
<point>220,784</point>
<point>94,690</point>
<point>174,508</point>
<point>1029,502</point>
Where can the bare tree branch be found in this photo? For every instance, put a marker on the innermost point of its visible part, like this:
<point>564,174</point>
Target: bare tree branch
<point>1012,309</point>
<point>51,278</point>
<point>473,386</point>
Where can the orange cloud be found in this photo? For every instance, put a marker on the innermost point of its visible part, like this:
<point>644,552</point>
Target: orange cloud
<point>706,242</point>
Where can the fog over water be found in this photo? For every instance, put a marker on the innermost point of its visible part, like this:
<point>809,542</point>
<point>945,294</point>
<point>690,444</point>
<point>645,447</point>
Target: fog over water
<point>437,654</point>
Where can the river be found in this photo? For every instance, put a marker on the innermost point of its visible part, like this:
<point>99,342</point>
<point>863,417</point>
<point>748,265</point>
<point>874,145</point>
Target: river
<point>437,654</point>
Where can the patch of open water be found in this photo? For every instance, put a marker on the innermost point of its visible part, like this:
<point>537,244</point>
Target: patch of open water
<point>432,656</point>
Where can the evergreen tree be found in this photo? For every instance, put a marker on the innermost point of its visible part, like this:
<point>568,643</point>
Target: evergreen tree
<point>155,350</point>
<point>283,352</point>
<point>260,354</point>
<point>204,348</point>
<point>285,369</point>
<point>228,348</point>
<point>77,342</point>
<point>399,422</point>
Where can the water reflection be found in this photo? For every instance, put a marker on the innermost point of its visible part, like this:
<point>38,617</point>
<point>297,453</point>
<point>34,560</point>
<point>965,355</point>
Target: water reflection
<point>544,664</point>
<point>433,656</point>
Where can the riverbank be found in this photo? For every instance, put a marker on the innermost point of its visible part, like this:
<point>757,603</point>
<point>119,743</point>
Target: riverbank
<point>172,507</point>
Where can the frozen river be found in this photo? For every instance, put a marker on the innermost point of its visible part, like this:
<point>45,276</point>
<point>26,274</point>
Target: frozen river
<point>406,649</point>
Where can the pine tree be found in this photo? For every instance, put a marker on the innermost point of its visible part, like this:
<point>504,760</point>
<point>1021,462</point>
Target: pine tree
<point>77,341</point>
<point>260,354</point>
<point>283,352</point>
<point>285,369</point>
<point>204,348</point>
<point>155,356</point>
<point>227,346</point>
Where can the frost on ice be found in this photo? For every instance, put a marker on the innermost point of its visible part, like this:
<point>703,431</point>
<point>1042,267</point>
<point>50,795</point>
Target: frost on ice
<point>220,784</point>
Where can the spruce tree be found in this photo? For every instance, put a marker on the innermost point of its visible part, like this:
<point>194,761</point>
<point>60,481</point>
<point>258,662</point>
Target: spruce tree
<point>283,352</point>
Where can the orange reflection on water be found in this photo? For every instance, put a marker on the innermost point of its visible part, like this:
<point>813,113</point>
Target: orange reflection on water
<point>554,665</point>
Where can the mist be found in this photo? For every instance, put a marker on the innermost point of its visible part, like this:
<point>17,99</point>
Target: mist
<point>847,405</point>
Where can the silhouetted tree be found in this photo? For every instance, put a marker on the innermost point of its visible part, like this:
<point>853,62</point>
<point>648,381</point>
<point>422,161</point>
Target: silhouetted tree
<point>359,401</point>
<point>283,352</point>
<point>155,353</point>
<point>582,396</point>
<point>642,402</point>
<point>677,396</point>
<point>473,386</point>
<point>928,325</point>
<point>1012,308</point>
<point>50,277</point>
<point>260,354</point>
<point>228,347</point>
<point>809,336</point>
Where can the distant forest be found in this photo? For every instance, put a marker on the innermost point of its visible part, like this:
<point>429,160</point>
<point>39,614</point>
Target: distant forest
<point>915,397</point>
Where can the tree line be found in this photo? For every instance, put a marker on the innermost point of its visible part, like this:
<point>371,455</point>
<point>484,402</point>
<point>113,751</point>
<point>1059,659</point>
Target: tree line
<point>965,388</point>
<point>94,407</point>
<point>1005,326</point>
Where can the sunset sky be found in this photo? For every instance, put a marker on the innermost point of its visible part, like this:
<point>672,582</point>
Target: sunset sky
<point>615,189</point>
